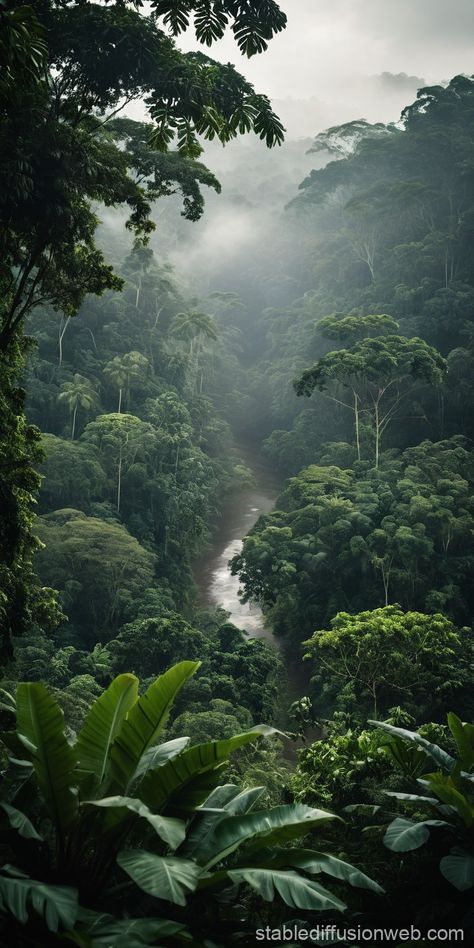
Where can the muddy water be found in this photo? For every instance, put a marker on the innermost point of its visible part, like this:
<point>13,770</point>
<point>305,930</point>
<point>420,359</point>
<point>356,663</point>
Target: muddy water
<point>215,582</point>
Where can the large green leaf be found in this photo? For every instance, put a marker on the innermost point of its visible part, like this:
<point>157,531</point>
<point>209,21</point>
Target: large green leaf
<point>444,789</point>
<point>244,801</point>
<point>263,828</point>
<point>105,930</point>
<point>157,756</point>
<point>40,724</point>
<point>463,735</point>
<point>144,723</point>
<point>20,822</point>
<point>315,862</point>
<point>168,878</point>
<point>403,835</point>
<point>210,813</point>
<point>102,725</point>
<point>222,802</point>
<point>183,781</point>
<point>411,797</point>
<point>366,809</point>
<point>220,797</point>
<point>444,760</point>
<point>189,797</point>
<point>294,889</point>
<point>57,904</point>
<point>7,701</point>
<point>170,830</point>
<point>458,869</point>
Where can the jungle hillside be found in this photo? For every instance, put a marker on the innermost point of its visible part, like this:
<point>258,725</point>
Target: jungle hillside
<point>236,473</point>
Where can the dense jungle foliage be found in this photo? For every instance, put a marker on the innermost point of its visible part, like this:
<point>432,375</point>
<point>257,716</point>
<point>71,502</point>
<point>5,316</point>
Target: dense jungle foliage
<point>143,800</point>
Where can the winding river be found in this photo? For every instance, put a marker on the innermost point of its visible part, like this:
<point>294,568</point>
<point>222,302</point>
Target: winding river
<point>217,586</point>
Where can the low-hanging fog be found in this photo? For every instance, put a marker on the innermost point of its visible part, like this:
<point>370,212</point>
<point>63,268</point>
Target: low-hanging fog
<point>333,64</point>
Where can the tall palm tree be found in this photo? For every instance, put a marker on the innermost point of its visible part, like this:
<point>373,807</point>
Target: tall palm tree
<point>194,328</point>
<point>121,370</point>
<point>79,392</point>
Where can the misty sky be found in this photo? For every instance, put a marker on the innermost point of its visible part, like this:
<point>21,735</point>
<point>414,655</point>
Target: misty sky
<point>337,60</point>
<point>332,49</point>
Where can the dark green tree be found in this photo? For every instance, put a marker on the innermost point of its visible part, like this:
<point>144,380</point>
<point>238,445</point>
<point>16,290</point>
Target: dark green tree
<point>97,58</point>
<point>370,662</point>
<point>379,375</point>
<point>98,568</point>
<point>346,540</point>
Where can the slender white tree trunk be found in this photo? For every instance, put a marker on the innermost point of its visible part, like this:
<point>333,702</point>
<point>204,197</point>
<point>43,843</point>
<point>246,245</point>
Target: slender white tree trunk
<point>73,430</point>
<point>356,413</point>
<point>62,330</point>
<point>377,434</point>
<point>119,480</point>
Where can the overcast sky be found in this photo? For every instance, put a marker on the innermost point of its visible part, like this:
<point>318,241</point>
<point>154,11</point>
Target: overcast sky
<point>332,49</point>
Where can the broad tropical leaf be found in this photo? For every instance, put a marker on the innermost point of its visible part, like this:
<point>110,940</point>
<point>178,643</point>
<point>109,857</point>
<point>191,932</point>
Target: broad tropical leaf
<point>57,904</point>
<point>7,701</point>
<point>458,869</point>
<point>294,889</point>
<point>222,802</point>
<point>188,798</point>
<point>157,756</point>
<point>20,822</point>
<point>105,930</point>
<point>269,826</point>
<point>207,815</point>
<point>463,735</point>
<point>445,790</point>
<point>145,721</point>
<point>220,797</point>
<point>444,760</point>
<point>315,862</point>
<point>244,801</point>
<point>102,725</point>
<point>411,797</point>
<point>170,830</point>
<point>40,724</point>
<point>183,781</point>
<point>168,878</point>
<point>404,835</point>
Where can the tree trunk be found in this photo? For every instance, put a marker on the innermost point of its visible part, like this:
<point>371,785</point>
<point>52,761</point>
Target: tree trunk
<point>120,401</point>
<point>356,413</point>
<point>119,480</point>
<point>62,331</point>
<point>377,434</point>
<point>374,692</point>
<point>73,430</point>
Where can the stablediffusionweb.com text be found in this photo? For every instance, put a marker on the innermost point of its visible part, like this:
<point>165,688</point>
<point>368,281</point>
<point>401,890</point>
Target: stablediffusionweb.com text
<point>330,934</point>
